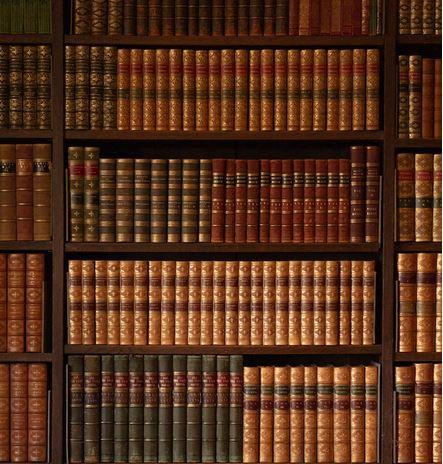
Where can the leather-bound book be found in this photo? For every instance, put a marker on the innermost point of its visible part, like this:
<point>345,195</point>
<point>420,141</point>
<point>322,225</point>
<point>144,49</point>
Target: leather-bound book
<point>345,90</point>
<point>280,89</point>
<point>426,284</point>
<point>269,18</point>
<point>298,200</point>
<point>141,17</point>
<point>404,17</point>
<point>106,200</point>
<point>305,17</point>
<point>154,17</point>
<point>154,302</point>
<point>140,302</point>
<point>275,201</point>
<point>228,77</point>
<point>115,17</point>
<point>269,293</point>
<point>82,86</point>
<point>345,303</point>
<point>255,17</point>
<point>91,194</point>
<point>235,408</point>
<point>368,302</point>
<point>167,305</point>
<point>371,388</point>
<point>206,303</point>
<point>358,88</point>
<point>423,412</point>
<point>358,194</point>
<point>230,18</point>
<point>181,303</point>
<point>189,195</point>
<point>3,305</point>
<point>43,87</point>
<point>194,306</point>
<point>126,302</point>
<point>251,414</point>
<point>35,268</point>
<point>218,308</point>
<point>175,95</point>
<point>264,201</point>
<point>218,200</point>
<point>436,211</point>
<point>332,207</point>
<point>321,196</point>
<point>437,96</point>
<point>332,89</point>
<point>222,409</point>
<point>208,407</point>
<point>403,96</point>
<point>175,195</point>
<point>82,16</point>
<point>121,408</point>
<point>231,303</point>
<point>142,199</point>
<point>16,306</point>
<point>244,303</point>
<point>424,166</point>
<point>229,202</point>
<point>109,88</point>
<point>281,414</point>
<point>344,200</point>
<point>4,92</point>
<point>407,295</point>
<point>193,401</point>
<point>129,17</point>
<point>204,18</point>
<point>307,303</point>
<point>281,16</point>
<point>332,302</point>
<point>41,191</point>
<point>296,419</point>
<point>325,434</point>
<point>310,414</point>
<point>416,17</point>
<point>15,86</point>
<point>267,90</point>
<point>252,200</point>
<point>342,424</point>
<point>149,89</point>
<point>254,102</point>
<point>69,87</point>
<point>257,303</point>
<point>162,89</point>
<point>180,17</point>
<point>88,302</point>
<point>405,217</point>
<point>167,15</point>
<point>357,407</point>
<point>96,88</point>
<point>107,409</point>
<point>309,202</point>
<point>415,95</point>
<point>281,302</point>
<point>325,17</point>
<point>76,192</point>
<point>356,302</point>
<point>8,208</point>
<point>123,88</point>
<point>286,201</point>
<point>294,302</point>
<point>306,88</point>
<point>201,90</point>
<point>91,427</point>
<point>319,308</point>
<point>204,200</point>
<point>188,100</point>
<point>75,302</point>
<point>24,189</point>
<point>101,300</point>
<point>159,179</point>
<point>214,90</point>
<point>427,102</point>
<point>29,87</point>
<point>124,199</point>
<point>436,413</point>
<point>217,20</point>
<point>266,451</point>
<point>135,89</point>
<point>179,406</point>
<point>99,13</point>
<point>76,403</point>
<point>293,20</point>
<point>437,17</point>
<point>243,17</point>
<point>5,396</point>
<point>319,90</point>
<point>241,89</point>
<point>438,306</point>
<point>150,408</point>
<point>113,313</point>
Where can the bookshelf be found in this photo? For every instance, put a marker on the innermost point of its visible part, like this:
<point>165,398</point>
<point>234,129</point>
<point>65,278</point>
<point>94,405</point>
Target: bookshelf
<point>256,143</point>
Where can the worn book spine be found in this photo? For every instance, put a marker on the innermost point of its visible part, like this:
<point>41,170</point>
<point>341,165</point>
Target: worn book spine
<point>189,196</point>
<point>255,17</point>
<point>371,389</point>
<point>124,198</point>
<point>281,424</point>
<point>106,200</point>
<point>332,89</point>
<point>244,303</point>
<point>256,303</point>
<point>254,102</point>
<point>437,97</point>
<point>298,201</point>
<point>4,89</point>
<point>106,400</point>
<point>37,412</point>
<point>309,202</point>
<point>437,17</point>
<point>19,412</point>
<point>296,413</point>
<point>243,17</point>
<point>154,302</point>
<point>325,430</point>
<point>216,17</point>
<point>286,201</point>
<point>82,87</point>
<point>372,188</point>
<point>99,11</point>
<point>88,303</point>
<point>332,203</point>
<point>150,408</point>
<point>100,310</point>
<point>306,89</point>
<point>241,89</point>
<point>76,192</point>
<point>423,412</point>
<point>188,99</point>
<point>222,409</point>
<point>368,337</point>
<point>344,200</point>
<point>29,87</point>
<point>407,294</point>
<point>252,200</point>
<point>201,90</point>
<point>41,194</point>
<point>269,17</point>
<point>319,86</point>
<point>307,303</point>
<point>140,302</point>
<point>96,88</point>
<point>416,16</point>
<point>264,201</point>
<point>149,89</point>
<point>175,93</point>
<point>229,203</point>
<point>342,424</point>
<point>438,306</point>
<point>154,17</point>
<point>15,86</point>
<point>231,303</point>
<point>129,17</point>
<point>436,413</point>
<point>82,16</point>
<point>358,180</point>
<point>206,303</point>
<point>403,96</point>
<point>75,302</point>
<point>345,90</point>
<point>427,102</point>
<point>294,302</point>
<point>345,303</point>
<point>113,305</point>
<point>23,191</point>
<point>319,302</point>
<point>218,200</point>
<point>193,409</point>
<point>235,446</point>
<point>142,199</point>
<point>227,77</point>
<point>109,88</point>
<point>16,307</point>
<point>180,309</point>
<point>43,88</point>
<point>167,302</point>
<point>204,18</point>
<point>179,406</point>
<point>280,89</point>
<point>218,309</point>
<point>180,17</point>
<point>204,200</point>
<point>159,179</point>
<point>405,197</point>
<point>269,302</point>
<point>91,194</point>
<point>135,117</point>
<point>436,211</point>
<point>293,19</point>
<point>115,17</point>
<point>266,414</point>
<point>123,88</point>
<point>415,95</point>
<point>203,390</point>
<point>251,414</point>
<point>76,414</point>
<point>5,396</point>
<point>175,198</point>
<point>162,89</point>
<point>404,17</point>
<point>194,305</point>
<point>424,165</point>
<point>320,195</point>
<point>275,200</point>
<point>141,17</point>
<point>3,308</point>
<point>91,426</point>
<point>126,302</point>
<point>267,90</point>
<point>357,413</point>
<point>230,18</point>
<point>358,88</point>
<point>121,408</point>
<point>332,301</point>
<point>310,414</point>
<point>214,90</point>
<point>356,302</point>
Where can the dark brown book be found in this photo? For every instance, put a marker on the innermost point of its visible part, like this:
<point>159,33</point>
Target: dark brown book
<point>358,177</point>
<point>41,195</point>
<point>24,190</point>
<point>129,17</point>
<point>8,212</point>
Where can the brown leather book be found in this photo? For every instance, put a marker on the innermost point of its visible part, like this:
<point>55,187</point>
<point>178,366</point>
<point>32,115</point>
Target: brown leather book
<point>332,304</point>
<point>310,416</point>
<point>3,303</point>
<point>267,89</point>
<point>167,302</point>
<point>37,412</point>
<point>240,200</point>
<point>16,302</point>
<point>358,178</point>
<point>436,413</point>
<point>298,200</point>
<point>244,303</point>
<point>319,306</point>
<point>266,414</point>
<point>438,310</point>
<point>357,407</point>
<point>325,435</point>
<point>345,303</point>
<point>101,298</point>
<point>189,78</point>
<point>124,196</point>
<point>35,274</point>
<point>332,89</point>
<point>369,277</point>
<point>306,88</point>
<point>126,302</point>
<point>423,412</point>
<point>241,89</point>
<point>140,302</point>
<point>149,89</point>
<point>175,95</point>
<point>215,90</point>
<point>175,198</point>
<point>264,201</point>
<point>286,201</point>
<point>280,89</point>
<point>181,302</point>
<point>201,90</point>
<point>275,205</point>
<point>162,89</point>
<point>307,302</point>
<point>427,101</point>
<point>309,202</point>
<point>321,195</point>
<point>252,200</point>
<point>88,303</point>
<point>281,302</point>
<point>342,423</point>
<point>91,187</point>
<point>269,294</point>
<point>115,17</point>
<point>24,190</point>
<point>372,194</point>
<point>228,77</point>
<point>8,212</point>
<point>82,81</point>
<point>75,302</point>
<point>206,303</point>
<point>251,414</point>
<point>19,412</point>
<point>218,308</point>
<point>345,90</point>
<point>407,296</point>
<point>415,96</point>
<point>437,194</point>
<point>231,303</point>
<point>437,97</point>
<point>332,204</point>
<point>281,414</point>
<point>424,166</point>
<point>256,303</point>
<point>154,302</point>
<point>194,305</point>
<point>113,313</point>
<point>254,103</point>
<point>356,302</point>
<point>319,90</point>
<point>41,193</point>
<point>204,18</point>
<point>5,396</point>
<point>296,398</point>
<point>358,88</point>
<point>229,205</point>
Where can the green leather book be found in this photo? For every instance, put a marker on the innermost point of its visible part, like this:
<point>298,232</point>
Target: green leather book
<point>194,409</point>
<point>209,401</point>
<point>5,16</point>
<point>236,409</point>
<point>150,410</point>
<point>179,408</point>
<point>107,410</point>
<point>222,415</point>
<point>121,403</point>
<point>44,16</point>
<point>76,392</point>
<point>30,17</point>
<point>91,429</point>
<point>17,11</point>
<point>165,409</point>
<point>136,408</point>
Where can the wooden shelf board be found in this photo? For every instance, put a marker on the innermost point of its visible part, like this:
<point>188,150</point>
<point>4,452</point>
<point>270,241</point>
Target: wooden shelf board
<point>37,39</point>
<point>25,134</point>
<point>418,143</point>
<point>235,41</point>
<point>206,349</point>
<point>196,136</point>
<point>418,357</point>
<point>26,357</point>
<point>419,247</point>
<point>25,246</point>
<point>409,39</point>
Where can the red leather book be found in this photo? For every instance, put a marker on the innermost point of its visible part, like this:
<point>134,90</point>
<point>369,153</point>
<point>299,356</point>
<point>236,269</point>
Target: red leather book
<point>218,200</point>
<point>252,202</point>
<point>372,194</point>
<point>358,168</point>
<point>35,273</point>
<point>265,180</point>
<point>3,306</point>
<point>286,201</point>
<point>240,200</point>
<point>325,17</point>
<point>298,200</point>
<point>346,17</point>
<point>229,205</point>
<point>5,400</point>
<point>293,17</point>
<point>321,196</point>
<point>356,17</point>
<point>332,202</point>
<point>275,201</point>
<point>315,18</point>
<point>309,202</point>
<point>23,185</point>
<point>16,302</point>
<point>37,412</point>
<point>344,204</point>
<point>19,412</point>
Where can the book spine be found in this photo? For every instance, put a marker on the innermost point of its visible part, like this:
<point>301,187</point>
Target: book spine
<point>75,302</point>
<point>201,90</point>
<point>345,90</point>
<point>325,17</point>
<point>218,309</point>
<point>222,409</point>
<point>341,417</point>
<point>332,89</point>
<point>99,16</point>
<point>332,203</point>
<point>310,416</point>
<point>281,17</point>
<point>180,308</point>
<point>109,87</point>
<point>107,200</point>
<point>214,90</point>
<point>88,303</point>
<point>15,86</point>
<point>275,201</point>
<point>154,302</point>
<point>189,195</point>
<point>29,87</point>
<point>266,89</point>
<point>325,431</point>
<point>124,87</point>
<point>121,408</point>
<point>24,188</point>
<point>356,302</point>
<point>319,302</point>
<point>319,90</point>
<point>244,303</point>
<point>141,17</point>
<point>159,179</point>
<point>8,213</point>
<point>218,200</point>
<point>407,282</point>
<point>358,176</point>
<point>436,211</point>
<point>306,87</point>
<point>100,283</point>
<point>294,302</point>
<point>243,17</point>
<point>208,407</point>
<point>4,90</point>
<point>91,427</point>
<point>372,89</point>
<point>281,414</point>
<point>286,201</point>
<point>82,80</point>
<point>91,192</point>
<point>266,414</point>
<point>416,16</point>
<point>307,303</point>
<point>107,409</point>
<point>179,406</point>
<point>415,95</point>
<point>175,198</point>
<point>371,389</point>
<point>206,303</point>
<point>403,96</point>
<point>162,89</point>
<point>76,190</point>
<point>437,97</point>
<point>217,20</point>
<point>332,301</point>
<point>296,402</point>
<point>175,94</point>
<point>126,302</point>
<point>180,18</point>
<point>16,306</point>
<point>76,404</point>
<point>241,89</point>
<point>404,17</point>
<point>344,205</point>
<point>96,88</point>
<point>252,200</point>
<point>193,411</point>
<point>423,196</point>
<point>227,77</point>
<point>5,396</point>
<point>115,17</point>
<point>82,16</point>
<point>280,89</point>
<point>438,306</point>
<point>423,412</point>
<point>167,17</point>
<point>269,293</point>
<point>154,17</point>
<point>254,102</point>
<point>149,89</point>
<point>229,205</point>
<point>142,199</point>
<point>427,102</point>
<point>320,195</point>
<point>357,413</point>
<point>368,337</point>
<point>235,446</point>
<point>41,194</point>
<point>135,116</point>
<point>309,202</point>
<point>230,18</point>
<point>124,218</point>
<point>113,313</point>
<point>140,302</point>
<point>372,194</point>
<point>345,303</point>
<point>269,17</point>
<point>298,201</point>
<point>305,17</point>
<point>204,18</point>
<point>194,298</point>
<point>150,408</point>
<point>437,17</point>
<point>436,409</point>
<point>231,303</point>
<point>189,98</point>
<point>426,285</point>
<point>167,302</point>
<point>358,88</point>
<point>281,302</point>
<point>251,414</point>
<point>3,312</point>
<point>293,20</point>
<point>256,303</point>
<point>264,201</point>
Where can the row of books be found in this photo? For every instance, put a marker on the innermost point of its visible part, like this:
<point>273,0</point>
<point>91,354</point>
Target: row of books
<point>221,302</point>
<point>25,192</point>
<point>227,17</point>
<point>212,409</point>
<point>419,302</point>
<point>419,17</point>
<point>224,200</point>
<point>22,279</point>
<point>25,90</point>
<point>419,197</point>
<point>229,89</point>
<point>23,412</point>
<point>418,413</point>
<point>25,16</point>
<point>419,97</point>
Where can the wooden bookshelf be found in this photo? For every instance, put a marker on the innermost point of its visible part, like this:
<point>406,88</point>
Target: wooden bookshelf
<point>59,251</point>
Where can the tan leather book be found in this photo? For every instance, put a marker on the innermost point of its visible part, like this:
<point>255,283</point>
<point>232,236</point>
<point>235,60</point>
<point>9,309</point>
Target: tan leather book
<point>201,90</point>
<point>436,211</point>
<point>167,305</point>
<point>136,89</point>
<point>310,416</point>
<point>123,88</point>
<point>296,414</point>
<point>345,91</point>
<point>427,101</point>
<point>180,309</point>
<point>231,303</point>
<point>371,413</point>
<point>214,123</point>
<point>257,303</point>
<point>266,413</point>
<point>241,90</point>
<point>345,303</point>
<point>37,412</point>
<point>438,307</point>
<point>251,414</point>
<point>35,275</point>
<point>269,300</point>
<point>356,302</point>
<point>219,291</point>
<point>69,87</point>
<point>101,302</point>
<point>281,302</point>
<point>254,102</point>
<point>423,412</point>
<point>358,88</point>
<point>142,199</point>
<point>325,432</point>
<point>368,302</point>
<point>124,200</point>
<point>162,89</point>
<point>3,303</point>
<point>294,302</point>
<point>307,303</point>
<point>415,97</point>
<point>227,76</point>
<point>267,89</point>
<point>189,198</point>
<point>319,309</point>
<point>16,306</point>
<point>154,302</point>
<point>75,302</point>
<point>140,302</point>
<point>206,304</point>
<point>175,97</point>
<point>244,303</point>
<point>280,89</point>
<point>194,305</point>
<point>332,91</point>
<point>281,414</point>
<point>407,301</point>
<point>405,213</point>
<point>23,191</point>
<point>357,407</point>
<point>19,412</point>
<point>127,302</point>
<point>436,413</point>
<point>319,90</point>
<point>306,88</point>
<point>342,420</point>
<point>113,286</point>
<point>293,110</point>
<point>189,81</point>
<point>332,303</point>
<point>149,89</point>
<point>372,89</point>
